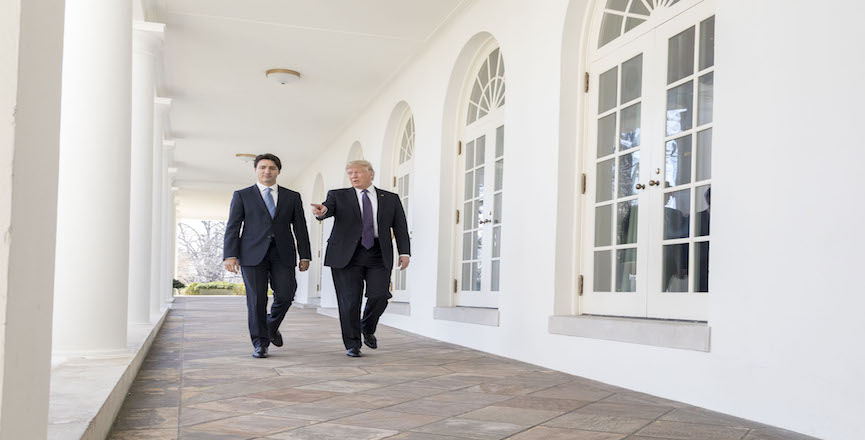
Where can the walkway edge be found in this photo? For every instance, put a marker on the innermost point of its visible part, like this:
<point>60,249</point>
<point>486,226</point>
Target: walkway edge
<point>106,392</point>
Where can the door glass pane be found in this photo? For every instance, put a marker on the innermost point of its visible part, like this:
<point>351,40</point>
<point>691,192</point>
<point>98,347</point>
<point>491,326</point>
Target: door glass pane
<point>677,207</point>
<point>637,7</point>
<point>603,225</point>
<point>480,143</point>
<point>497,242</point>
<point>629,136</point>
<point>476,277</point>
<point>705,98</point>
<point>677,164</point>
<point>500,168</point>
<point>467,277</point>
<point>604,190</point>
<point>603,271</point>
<point>626,270</point>
<point>607,135</point>
<point>497,209</point>
<point>704,155</point>
<point>680,56</point>
<point>611,28</point>
<point>607,89</point>
<point>627,216</point>
<point>617,5</point>
<point>679,102</point>
<point>632,22</point>
<point>479,182</point>
<point>470,155</point>
<point>703,202</point>
<point>468,213</point>
<point>467,246</point>
<point>477,242</point>
<point>632,78</point>
<point>701,271</point>
<point>500,141</point>
<point>675,268</point>
<point>494,274</point>
<point>469,186</point>
<point>479,213</point>
<point>707,43</point>
<point>629,173</point>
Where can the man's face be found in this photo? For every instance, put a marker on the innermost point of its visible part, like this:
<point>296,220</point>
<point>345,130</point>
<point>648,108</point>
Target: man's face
<point>359,177</point>
<point>266,171</point>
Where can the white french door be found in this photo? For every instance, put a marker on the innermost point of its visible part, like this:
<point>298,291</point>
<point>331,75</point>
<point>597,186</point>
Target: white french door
<point>479,234</point>
<point>649,170</point>
<point>402,186</point>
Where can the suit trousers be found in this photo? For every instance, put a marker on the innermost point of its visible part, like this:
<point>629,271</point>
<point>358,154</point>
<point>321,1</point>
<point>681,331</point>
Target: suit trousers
<point>279,272</point>
<point>366,266</point>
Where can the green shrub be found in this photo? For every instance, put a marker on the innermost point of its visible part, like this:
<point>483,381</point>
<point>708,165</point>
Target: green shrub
<point>177,284</point>
<point>230,288</point>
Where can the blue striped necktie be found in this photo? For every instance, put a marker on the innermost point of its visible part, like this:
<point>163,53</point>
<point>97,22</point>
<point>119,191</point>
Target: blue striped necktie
<point>268,201</point>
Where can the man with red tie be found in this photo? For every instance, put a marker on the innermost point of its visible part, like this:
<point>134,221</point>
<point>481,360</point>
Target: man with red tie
<point>360,251</point>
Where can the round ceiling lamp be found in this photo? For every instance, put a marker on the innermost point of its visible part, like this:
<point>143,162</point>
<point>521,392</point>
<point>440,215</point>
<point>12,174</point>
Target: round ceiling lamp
<point>283,76</point>
<point>245,157</point>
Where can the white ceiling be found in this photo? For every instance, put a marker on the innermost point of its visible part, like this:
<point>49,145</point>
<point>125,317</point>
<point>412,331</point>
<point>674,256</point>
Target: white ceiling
<point>216,53</point>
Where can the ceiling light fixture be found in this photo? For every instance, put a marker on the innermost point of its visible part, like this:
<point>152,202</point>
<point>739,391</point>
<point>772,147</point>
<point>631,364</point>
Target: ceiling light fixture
<point>245,157</point>
<point>283,76</point>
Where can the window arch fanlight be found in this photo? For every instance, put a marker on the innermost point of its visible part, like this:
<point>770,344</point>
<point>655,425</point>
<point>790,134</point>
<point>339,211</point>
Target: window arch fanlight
<point>406,149</point>
<point>620,16</point>
<point>488,91</point>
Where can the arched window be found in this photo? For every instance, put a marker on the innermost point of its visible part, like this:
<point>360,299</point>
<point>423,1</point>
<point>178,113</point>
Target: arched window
<point>480,188</point>
<point>648,160</point>
<point>402,182</point>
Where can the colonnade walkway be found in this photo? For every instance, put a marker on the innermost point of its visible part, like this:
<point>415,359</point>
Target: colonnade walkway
<point>200,382</point>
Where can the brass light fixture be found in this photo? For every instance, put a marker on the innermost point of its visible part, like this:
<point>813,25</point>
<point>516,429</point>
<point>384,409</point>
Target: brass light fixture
<point>245,157</point>
<point>283,76</point>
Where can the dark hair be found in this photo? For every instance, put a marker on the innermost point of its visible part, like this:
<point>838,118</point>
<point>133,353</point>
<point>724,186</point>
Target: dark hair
<point>267,156</point>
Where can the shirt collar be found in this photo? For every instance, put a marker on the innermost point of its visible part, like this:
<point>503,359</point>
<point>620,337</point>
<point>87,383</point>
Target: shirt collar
<point>261,187</point>
<point>360,191</point>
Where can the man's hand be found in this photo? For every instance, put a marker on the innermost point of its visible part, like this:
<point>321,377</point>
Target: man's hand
<point>318,210</point>
<point>303,265</point>
<point>403,262</point>
<point>231,265</point>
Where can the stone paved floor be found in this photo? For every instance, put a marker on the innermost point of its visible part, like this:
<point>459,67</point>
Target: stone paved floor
<point>200,382</point>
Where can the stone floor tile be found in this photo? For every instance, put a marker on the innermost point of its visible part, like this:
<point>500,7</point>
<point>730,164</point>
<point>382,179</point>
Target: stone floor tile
<point>194,416</point>
<point>435,407</point>
<point>153,399</point>
<point>706,417</point>
<point>630,410</point>
<point>769,433</point>
<point>241,405</point>
<point>409,391</point>
<point>312,412</point>
<point>474,429</point>
<point>330,431</point>
<point>547,433</point>
<point>591,422</point>
<point>423,436</point>
<point>342,386</point>
<point>186,434</point>
<point>253,425</point>
<point>386,419</point>
<point>294,395</point>
<point>470,397</point>
<point>145,434</point>
<point>692,431</point>
<point>517,416</point>
<point>573,391</point>
<point>150,418</point>
<point>563,405</point>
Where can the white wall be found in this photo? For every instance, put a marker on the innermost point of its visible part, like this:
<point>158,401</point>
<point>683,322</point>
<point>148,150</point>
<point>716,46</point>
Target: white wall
<point>31,47</point>
<point>786,297</point>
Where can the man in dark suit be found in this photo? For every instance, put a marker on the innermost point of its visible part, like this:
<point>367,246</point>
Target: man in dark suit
<point>360,249</point>
<point>264,249</point>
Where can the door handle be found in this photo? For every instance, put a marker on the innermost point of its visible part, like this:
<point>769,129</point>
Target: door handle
<point>640,186</point>
<point>483,222</point>
<point>654,182</point>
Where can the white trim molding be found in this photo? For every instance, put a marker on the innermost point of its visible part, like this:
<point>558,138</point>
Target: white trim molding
<point>659,333</point>
<point>470,315</point>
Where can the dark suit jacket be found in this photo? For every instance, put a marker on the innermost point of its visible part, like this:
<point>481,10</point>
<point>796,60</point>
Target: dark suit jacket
<point>342,204</point>
<point>250,245</point>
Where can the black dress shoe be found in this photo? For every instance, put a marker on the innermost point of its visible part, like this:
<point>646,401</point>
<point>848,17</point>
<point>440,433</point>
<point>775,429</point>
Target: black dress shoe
<point>353,352</point>
<point>260,352</point>
<point>276,338</point>
<point>370,341</point>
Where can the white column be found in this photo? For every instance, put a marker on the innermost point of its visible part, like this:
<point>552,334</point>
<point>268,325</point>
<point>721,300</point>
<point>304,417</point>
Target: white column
<point>146,41</point>
<point>92,258</point>
<point>31,49</point>
<point>163,105</point>
<point>168,225</point>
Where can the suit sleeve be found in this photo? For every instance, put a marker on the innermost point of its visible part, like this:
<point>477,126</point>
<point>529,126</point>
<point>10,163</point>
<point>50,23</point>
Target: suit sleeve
<point>231,243</point>
<point>330,204</point>
<point>301,234</point>
<point>400,229</point>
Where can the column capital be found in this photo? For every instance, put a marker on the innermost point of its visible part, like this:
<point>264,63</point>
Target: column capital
<point>147,37</point>
<point>168,144</point>
<point>172,171</point>
<point>162,103</point>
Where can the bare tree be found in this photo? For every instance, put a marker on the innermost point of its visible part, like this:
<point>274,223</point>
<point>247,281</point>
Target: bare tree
<point>201,251</point>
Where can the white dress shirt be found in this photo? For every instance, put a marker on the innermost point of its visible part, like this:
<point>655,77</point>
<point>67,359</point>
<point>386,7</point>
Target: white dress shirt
<point>274,192</point>
<point>373,198</point>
